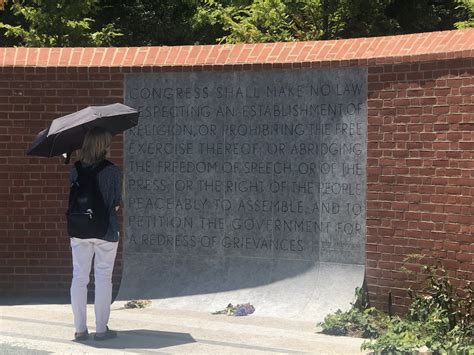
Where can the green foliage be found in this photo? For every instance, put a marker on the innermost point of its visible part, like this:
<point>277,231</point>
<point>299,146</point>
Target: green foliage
<point>427,15</point>
<point>282,20</point>
<point>150,22</point>
<point>361,302</point>
<point>368,323</point>
<point>300,20</point>
<point>262,21</point>
<point>360,320</point>
<point>403,335</point>
<point>213,19</point>
<point>467,7</point>
<point>177,22</point>
<point>439,318</point>
<point>58,23</point>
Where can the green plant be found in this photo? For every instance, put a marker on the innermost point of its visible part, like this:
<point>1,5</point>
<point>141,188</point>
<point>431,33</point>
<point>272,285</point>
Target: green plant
<point>60,23</point>
<point>360,321</point>
<point>368,323</point>
<point>466,6</point>
<point>439,318</point>
<point>400,336</point>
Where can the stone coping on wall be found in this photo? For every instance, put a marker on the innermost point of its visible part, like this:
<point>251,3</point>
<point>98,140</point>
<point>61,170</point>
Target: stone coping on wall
<point>380,50</point>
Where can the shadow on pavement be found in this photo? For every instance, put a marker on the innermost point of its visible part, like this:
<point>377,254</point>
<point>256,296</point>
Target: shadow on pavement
<point>141,339</point>
<point>33,300</point>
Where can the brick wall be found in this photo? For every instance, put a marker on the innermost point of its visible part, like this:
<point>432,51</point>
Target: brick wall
<point>420,159</point>
<point>34,254</point>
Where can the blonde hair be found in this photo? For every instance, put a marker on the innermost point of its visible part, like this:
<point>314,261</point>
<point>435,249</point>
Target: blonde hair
<point>95,145</point>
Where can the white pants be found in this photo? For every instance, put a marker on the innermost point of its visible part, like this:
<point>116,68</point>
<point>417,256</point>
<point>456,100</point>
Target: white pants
<point>82,252</point>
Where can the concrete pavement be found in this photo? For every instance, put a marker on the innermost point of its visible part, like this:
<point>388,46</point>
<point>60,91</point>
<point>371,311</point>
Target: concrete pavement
<point>47,328</point>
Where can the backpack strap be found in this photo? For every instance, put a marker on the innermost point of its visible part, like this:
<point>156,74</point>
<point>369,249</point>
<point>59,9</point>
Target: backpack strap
<point>78,166</point>
<point>73,192</point>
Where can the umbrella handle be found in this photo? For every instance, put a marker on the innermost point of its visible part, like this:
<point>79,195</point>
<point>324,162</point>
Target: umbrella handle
<point>67,158</point>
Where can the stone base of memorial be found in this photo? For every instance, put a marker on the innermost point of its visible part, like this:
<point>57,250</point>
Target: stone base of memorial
<point>284,289</point>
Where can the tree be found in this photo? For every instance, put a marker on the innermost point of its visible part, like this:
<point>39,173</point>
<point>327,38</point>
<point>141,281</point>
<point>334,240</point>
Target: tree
<point>211,19</point>
<point>59,23</point>
<point>150,22</point>
<point>179,22</point>
<point>466,6</point>
<point>428,15</point>
<point>7,16</point>
<point>258,21</point>
<point>291,20</point>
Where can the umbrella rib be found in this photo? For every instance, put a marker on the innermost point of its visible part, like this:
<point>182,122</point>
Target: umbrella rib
<point>52,145</point>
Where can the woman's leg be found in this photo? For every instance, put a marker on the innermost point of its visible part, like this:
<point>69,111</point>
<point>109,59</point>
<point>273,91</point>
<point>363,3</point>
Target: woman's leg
<point>82,253</point>
<point>105,253</point>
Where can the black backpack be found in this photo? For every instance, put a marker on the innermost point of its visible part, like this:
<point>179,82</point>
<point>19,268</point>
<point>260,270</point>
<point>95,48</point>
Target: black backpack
<point>87,215</point>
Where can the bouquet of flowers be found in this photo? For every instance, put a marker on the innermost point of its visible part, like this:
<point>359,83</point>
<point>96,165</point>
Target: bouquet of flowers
<point>138,304</point>
<point>237,311</point>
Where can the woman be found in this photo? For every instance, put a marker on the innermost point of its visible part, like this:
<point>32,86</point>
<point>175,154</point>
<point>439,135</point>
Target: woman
<point>109,182</point>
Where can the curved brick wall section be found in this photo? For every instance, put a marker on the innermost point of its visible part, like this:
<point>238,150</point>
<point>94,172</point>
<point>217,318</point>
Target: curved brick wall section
<point>420,145</point>
<point>389,49</point>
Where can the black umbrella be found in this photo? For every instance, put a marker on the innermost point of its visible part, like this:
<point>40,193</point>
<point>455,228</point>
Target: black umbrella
<point>66,134</point>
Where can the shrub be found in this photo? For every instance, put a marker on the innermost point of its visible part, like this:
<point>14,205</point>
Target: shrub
<point>359,321</point>
<point>439,318</point>
<point>368,323</point>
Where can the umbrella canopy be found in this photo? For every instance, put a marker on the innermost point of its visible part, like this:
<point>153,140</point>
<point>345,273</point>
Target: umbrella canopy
<point>66,134</point>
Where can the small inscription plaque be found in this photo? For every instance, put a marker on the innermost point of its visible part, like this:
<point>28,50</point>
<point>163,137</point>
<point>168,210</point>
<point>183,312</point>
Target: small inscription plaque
<point>255,164</point>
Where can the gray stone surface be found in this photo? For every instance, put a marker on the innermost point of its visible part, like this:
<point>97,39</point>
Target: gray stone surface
<point>246,187</point>
<point>41,329</point>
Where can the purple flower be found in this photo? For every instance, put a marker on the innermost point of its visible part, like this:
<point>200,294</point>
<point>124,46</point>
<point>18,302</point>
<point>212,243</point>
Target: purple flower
<point>244,309</point>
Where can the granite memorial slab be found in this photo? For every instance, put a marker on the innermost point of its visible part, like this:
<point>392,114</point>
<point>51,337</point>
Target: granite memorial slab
<point>246,186</point>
